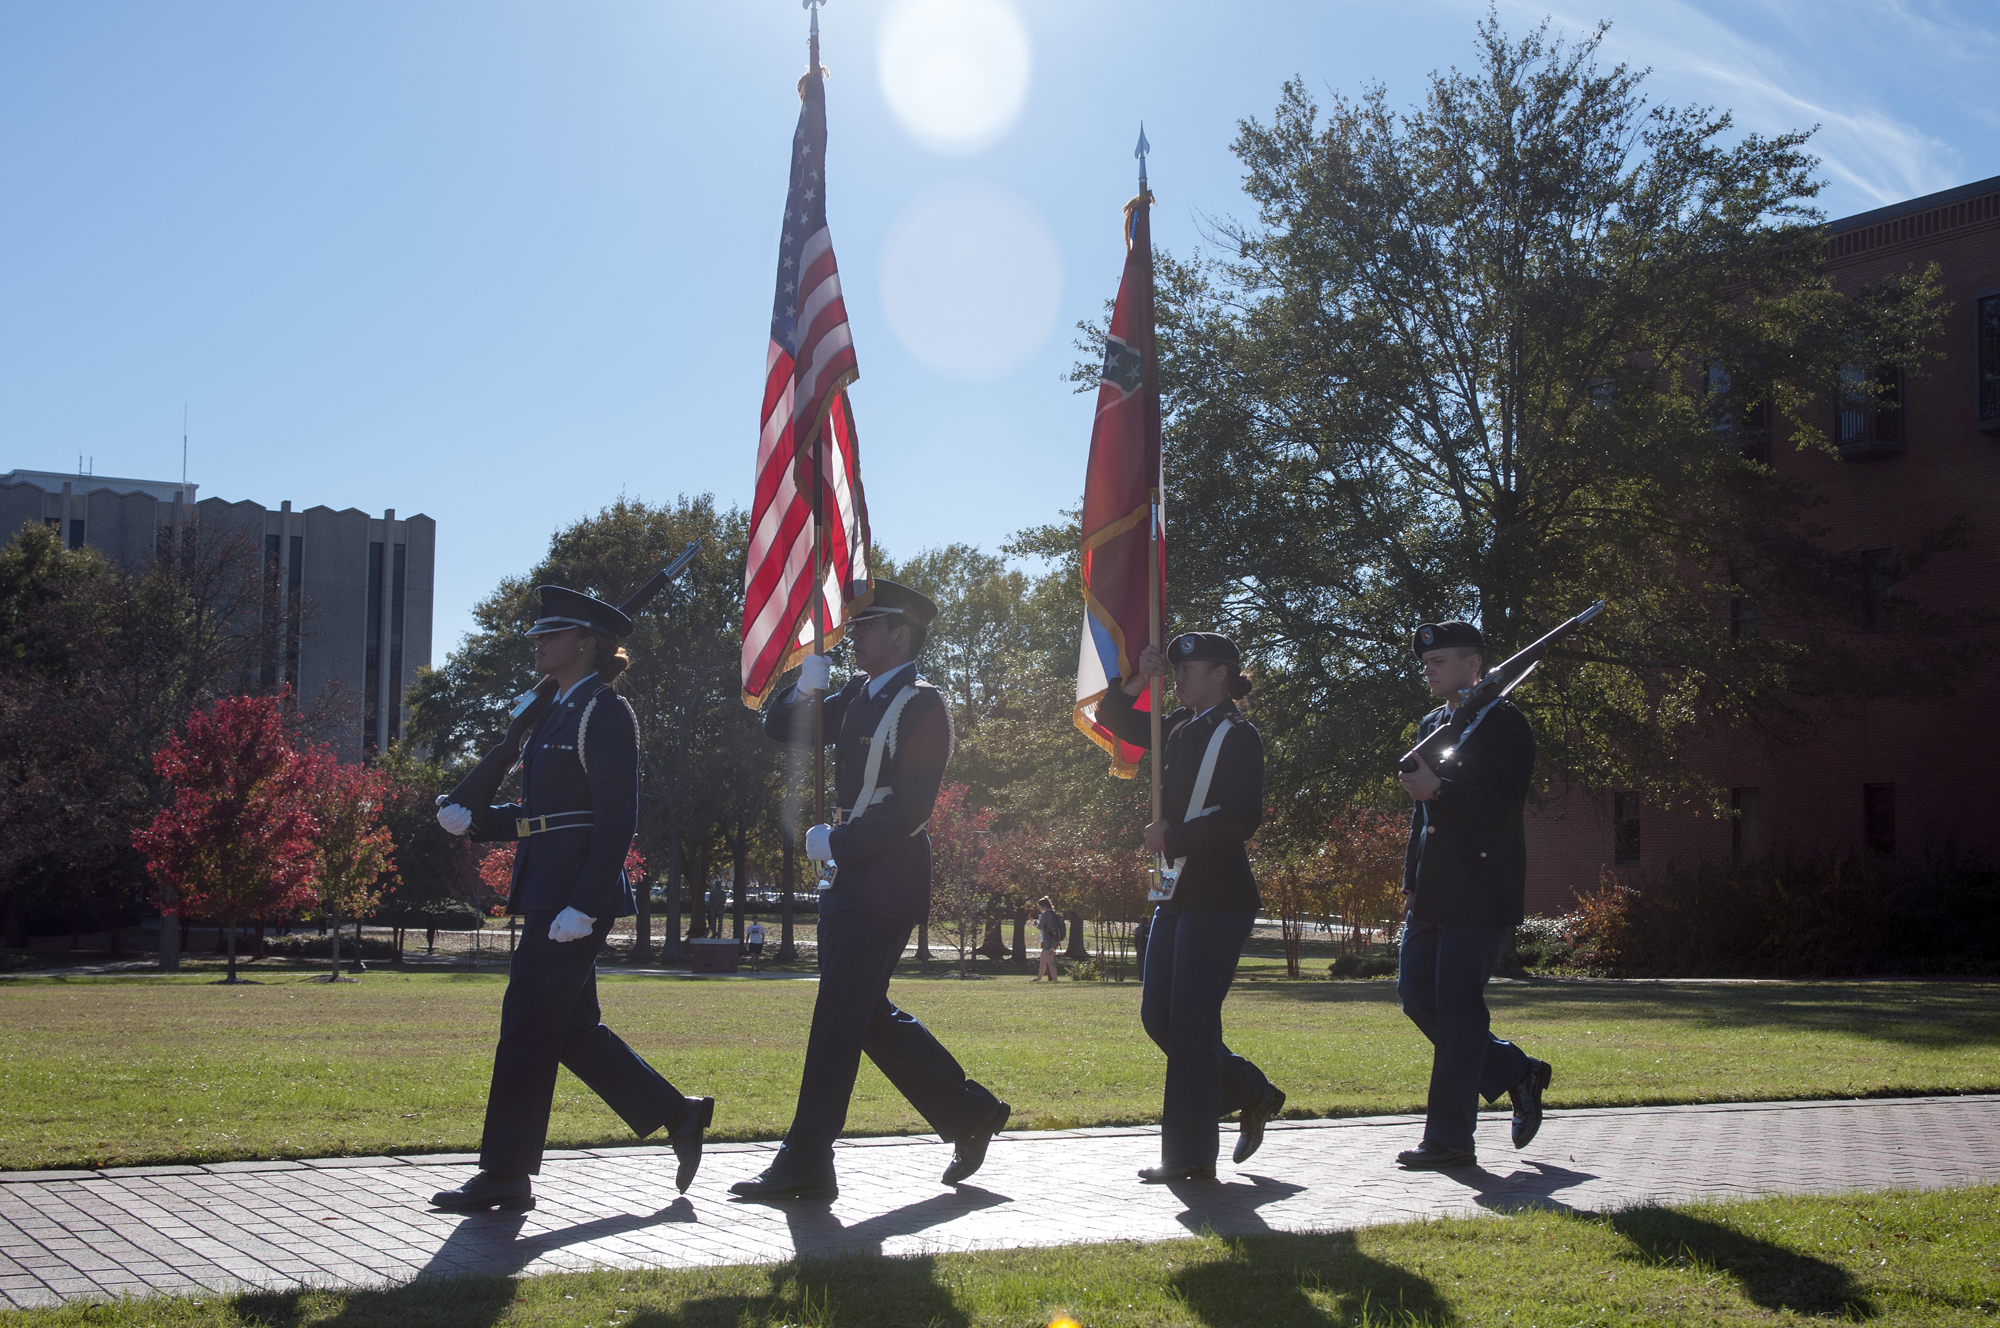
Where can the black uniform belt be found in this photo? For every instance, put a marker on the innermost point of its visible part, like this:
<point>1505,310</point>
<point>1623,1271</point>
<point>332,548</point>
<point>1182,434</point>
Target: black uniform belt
<point>540,825</point>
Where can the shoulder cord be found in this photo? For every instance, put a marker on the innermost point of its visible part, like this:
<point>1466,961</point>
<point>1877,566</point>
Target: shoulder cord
<point>583,725</point>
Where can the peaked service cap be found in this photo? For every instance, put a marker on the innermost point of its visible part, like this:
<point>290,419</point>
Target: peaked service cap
<point>892,598</point>
<point>564,608</point>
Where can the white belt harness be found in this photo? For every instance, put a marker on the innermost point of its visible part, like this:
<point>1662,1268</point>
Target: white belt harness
<point>872,789</point>
<point>1170,873</point>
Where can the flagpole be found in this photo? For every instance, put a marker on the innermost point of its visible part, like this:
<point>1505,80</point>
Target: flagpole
<point>816,701</point>
<point>1155,569</point>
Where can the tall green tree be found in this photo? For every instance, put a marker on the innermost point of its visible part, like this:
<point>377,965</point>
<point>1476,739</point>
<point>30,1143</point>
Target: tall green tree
<point>1490,358</point>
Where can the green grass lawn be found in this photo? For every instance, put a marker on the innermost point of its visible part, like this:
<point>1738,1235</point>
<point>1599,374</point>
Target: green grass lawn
<point>120,1070</point>
<point>1925,1260</point>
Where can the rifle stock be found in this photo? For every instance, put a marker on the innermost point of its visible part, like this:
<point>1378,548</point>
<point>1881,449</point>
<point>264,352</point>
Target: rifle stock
<point>483,781</point>
<point>1499,680</point>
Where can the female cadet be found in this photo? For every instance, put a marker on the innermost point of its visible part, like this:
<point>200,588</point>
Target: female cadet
<point>572,829</point>
<point>1212,792</point>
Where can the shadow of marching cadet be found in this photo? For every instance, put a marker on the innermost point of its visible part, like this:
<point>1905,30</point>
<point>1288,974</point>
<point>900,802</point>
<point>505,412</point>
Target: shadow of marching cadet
<point>1519,1191</point>
<point>1771,1275</point>
<point>491,1244</point>
<point>1306,1281</point>
<point>1228,1208</point>
<point>817,1233</point>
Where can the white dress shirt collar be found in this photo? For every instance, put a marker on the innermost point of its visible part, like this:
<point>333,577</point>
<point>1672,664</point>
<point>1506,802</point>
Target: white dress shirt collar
<point>566,692</point>
<point>875,685</point>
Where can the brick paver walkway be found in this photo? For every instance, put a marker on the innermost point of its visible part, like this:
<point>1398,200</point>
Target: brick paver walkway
<point>363,1221</point>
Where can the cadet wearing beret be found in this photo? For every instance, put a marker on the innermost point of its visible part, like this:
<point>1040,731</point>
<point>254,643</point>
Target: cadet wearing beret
<point>1197,935</point>
<point>1465,879</point>
<point>894,741</point>
<point>571,829</point>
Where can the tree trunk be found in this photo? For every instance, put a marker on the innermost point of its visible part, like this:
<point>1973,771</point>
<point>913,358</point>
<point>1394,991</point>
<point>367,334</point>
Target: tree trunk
<point>1020,933</point>
<point>787,950</point>
<point>1076,949</point>
<point>170,942</point>
<point>257,949</point>
<point>924,941</point>
<point>739,884</point>
<point>642,924</point>
<point>671,951</point>
<point>359,967</point>
<point>232,951</point>
<point>333,919</point>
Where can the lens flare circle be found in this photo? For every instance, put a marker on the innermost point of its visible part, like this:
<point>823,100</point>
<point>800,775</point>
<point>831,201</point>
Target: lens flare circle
<point>971,281</point>
<point>955,72</point>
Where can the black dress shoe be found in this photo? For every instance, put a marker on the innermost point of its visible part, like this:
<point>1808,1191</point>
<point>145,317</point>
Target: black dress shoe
<point>1527,1099</point>
<point>687,1139</point>
<point>1163,1174</point>
<point>968,1152</point>
<point>1250,1127</point>
<point>510,1194</point>
<point>788,1184</point>
<point>1428,1156</point>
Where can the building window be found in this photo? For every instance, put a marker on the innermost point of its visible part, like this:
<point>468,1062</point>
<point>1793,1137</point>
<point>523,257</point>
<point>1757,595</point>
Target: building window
<point>396,646</point>
<point>1986,358</point>
<point>1878,817</point>
<point>1878,574</point>
<point>371,666</point>
<point>75,534</point>
<point>1624,829</point>
<point>1742,824</point>
<point>295,579</point>
<point>1745,422</point>
<point>273,616</point>
<point>1868,424</point>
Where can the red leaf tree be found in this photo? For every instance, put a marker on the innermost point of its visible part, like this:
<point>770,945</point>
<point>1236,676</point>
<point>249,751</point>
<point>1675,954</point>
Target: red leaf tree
<point>236,841</point>
<point>353,846</point>
<point>959,892</point>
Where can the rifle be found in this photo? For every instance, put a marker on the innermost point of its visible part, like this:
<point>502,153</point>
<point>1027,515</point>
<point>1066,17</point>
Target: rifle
<point>1499,680</point>
<point>478,787</point>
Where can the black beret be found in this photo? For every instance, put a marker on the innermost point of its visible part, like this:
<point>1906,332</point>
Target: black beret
<point>563,608</point>
<point>1437,636</point>
<point>1211,646</point>
<point>891,598</point>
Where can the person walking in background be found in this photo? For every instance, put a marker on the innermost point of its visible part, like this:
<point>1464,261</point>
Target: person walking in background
<point>894,741</point>
<point>1465,882</point>
<point>1212,801</point>
<point>1051,925</point>
<point>573,826</point>
<point>753,943</point>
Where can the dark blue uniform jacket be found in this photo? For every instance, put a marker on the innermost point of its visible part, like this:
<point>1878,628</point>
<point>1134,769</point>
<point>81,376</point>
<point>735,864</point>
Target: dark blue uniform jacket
<point>884,857</point>
<point>581,868</point>
<point>1217,877</point>
<point>1467,858</point>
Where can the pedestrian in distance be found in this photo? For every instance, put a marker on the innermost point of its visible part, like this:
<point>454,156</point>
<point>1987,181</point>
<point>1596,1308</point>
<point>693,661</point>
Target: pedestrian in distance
<point>1050,923</point>
<point>572,829</point>
<point>753,945</point>
<point>1212,802</point>
<point>1465,881</point>
<point>893,741</point>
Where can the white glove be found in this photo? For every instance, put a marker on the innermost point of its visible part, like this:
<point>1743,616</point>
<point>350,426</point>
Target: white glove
<point>819,843</point>
<point>815,672</point>
<point>455,819</point>
<point>571,925</point>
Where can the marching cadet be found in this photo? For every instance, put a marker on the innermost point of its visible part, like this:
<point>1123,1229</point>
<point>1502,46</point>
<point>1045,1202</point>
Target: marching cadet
<point>1465,880</point>
<point>1212,791</point>
<point>572,829</point>
<point>894,741</point>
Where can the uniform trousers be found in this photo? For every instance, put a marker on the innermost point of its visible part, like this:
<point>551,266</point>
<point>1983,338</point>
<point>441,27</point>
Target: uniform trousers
<point>1441,981</point>
<point>549,1017</point>
<point>1189,963</point>
<point>852,1015</point>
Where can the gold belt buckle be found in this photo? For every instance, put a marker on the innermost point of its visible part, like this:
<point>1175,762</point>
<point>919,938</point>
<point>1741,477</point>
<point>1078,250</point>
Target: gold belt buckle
<point>524,826</point>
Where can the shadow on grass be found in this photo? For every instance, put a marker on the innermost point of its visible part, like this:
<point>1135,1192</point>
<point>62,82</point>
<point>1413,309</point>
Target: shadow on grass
<point>1308,1280</point>
<point>1935,1015</point>
<point>1770,1275</point>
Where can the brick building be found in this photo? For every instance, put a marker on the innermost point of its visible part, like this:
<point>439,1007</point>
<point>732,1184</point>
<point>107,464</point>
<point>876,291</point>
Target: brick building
<point>353,604</point>
<point>1895,779</point>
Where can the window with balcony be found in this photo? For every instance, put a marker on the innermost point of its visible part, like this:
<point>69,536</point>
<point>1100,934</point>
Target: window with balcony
<point>1868,416</point>
<point>1625,829</point>
<point>1986,359</point>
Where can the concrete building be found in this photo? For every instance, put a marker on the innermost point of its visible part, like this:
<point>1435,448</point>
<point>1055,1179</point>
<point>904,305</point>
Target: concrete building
<point>347,612</point>
<point>1892,779</point>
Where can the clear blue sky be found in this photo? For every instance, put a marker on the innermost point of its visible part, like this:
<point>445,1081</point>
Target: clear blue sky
<point>499,262</point>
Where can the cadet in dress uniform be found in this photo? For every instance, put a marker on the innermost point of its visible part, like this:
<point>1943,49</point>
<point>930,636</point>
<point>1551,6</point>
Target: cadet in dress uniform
<point>572,829</point>
<point>1197,935</point>
<point>891,724</point>
<point>1465,879</point>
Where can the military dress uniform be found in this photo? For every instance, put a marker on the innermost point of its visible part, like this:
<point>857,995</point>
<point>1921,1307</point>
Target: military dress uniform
<point>1197,936</point>
<point>1465,880</point>
<point>572,829</point>
<point>881,891</point>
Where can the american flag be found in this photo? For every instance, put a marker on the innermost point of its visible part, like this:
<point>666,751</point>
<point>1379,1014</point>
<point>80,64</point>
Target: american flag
<point>807,370</point>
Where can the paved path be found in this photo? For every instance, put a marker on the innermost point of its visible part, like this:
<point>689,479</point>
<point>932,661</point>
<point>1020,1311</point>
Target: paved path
<point>364,1222</point>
